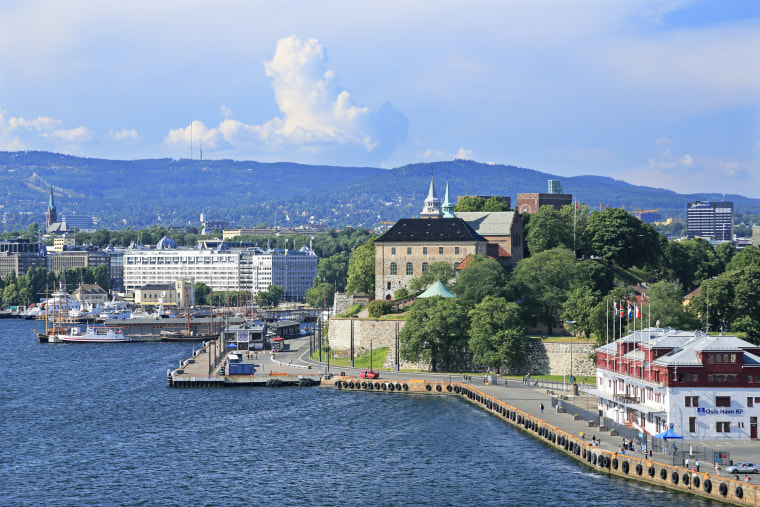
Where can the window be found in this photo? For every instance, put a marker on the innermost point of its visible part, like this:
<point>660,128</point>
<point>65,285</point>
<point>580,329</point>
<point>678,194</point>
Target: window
<point>456,250</point>
<point>692,424</point>
<point>722,401</point>
<point>393,250</point>
<point>394,268</point>
<point>723,427</point>
<point>408,250</point>
<point>692,401</point>
<point>424,250</point>
<point>750,401</point>
<point>424,267</point>
<point>440,250</point>
<point>409,268</point>
<point>389,285</point>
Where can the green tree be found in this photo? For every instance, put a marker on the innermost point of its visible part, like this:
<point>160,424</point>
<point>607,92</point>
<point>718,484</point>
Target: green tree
<point>320,295</point>
<point>747,256</point>
<point>378,308</point>
<point>442,271</point>
<point>495,203</point>
<point>361,269</point>
<point>666,306</point>
<point>401,293</point>
<point>542,283</point>
<point>621,238</point>
<point>579,307</point>
<point>547,229</point>
<point>468,203</point>
<point>100,276</point>
<point>482,277</point>
<point>202,292</point>
<point>497,337</point>
<point>270,297</point>
<point>436,333</point>
<point>334,270</point>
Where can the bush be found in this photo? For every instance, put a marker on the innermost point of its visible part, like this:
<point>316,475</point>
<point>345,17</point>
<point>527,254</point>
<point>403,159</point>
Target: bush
<point>379,308</point>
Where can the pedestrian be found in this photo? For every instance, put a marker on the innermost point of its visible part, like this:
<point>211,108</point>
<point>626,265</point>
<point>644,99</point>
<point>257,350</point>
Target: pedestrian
<point>650,453</point>
<point>505,382</point>
<point>686,463</point>
<point>542,408</point>
<point>717,469</point>
<point>696,465</point>
<point>746,478</point>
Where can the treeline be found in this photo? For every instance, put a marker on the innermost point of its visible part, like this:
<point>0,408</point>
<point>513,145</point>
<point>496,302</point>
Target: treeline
<point>39,283</point>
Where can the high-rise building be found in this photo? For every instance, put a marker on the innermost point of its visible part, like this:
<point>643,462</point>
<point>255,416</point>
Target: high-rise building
<point>713,220</point>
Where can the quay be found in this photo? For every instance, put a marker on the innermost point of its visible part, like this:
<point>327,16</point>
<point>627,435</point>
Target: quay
<point>517,405</point>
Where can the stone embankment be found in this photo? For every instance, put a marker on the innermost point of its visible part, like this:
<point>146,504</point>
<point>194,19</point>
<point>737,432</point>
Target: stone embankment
<point>707,485</point>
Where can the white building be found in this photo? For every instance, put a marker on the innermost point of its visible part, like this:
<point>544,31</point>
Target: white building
<point>223,268</point>
<point>706,387</point>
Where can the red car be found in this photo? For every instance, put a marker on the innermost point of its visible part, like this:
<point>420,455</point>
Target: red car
<point>369,374</point>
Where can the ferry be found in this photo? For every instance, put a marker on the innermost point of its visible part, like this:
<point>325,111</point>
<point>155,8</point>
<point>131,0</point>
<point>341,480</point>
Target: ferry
<point>95,334</point>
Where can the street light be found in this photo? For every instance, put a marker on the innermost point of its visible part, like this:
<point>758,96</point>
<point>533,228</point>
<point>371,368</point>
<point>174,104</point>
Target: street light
<point>572,328</point>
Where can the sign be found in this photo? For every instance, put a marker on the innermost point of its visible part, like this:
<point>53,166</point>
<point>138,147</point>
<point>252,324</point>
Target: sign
<point>720,411</point>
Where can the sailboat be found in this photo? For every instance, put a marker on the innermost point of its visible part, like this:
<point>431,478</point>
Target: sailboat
<point>188,335</point>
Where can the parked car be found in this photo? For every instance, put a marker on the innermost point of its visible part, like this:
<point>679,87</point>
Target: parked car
<point>369,374</point>
<point>743,468</point>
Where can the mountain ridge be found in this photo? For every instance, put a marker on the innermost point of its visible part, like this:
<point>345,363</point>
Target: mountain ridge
<point>140,193</point>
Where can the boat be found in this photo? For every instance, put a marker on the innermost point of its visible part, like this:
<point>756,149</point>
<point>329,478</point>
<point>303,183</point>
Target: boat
<point>183,335</point>
<point>95,334</point>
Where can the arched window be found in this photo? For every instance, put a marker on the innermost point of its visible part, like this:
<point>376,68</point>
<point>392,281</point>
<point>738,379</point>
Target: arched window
<point>394,268</point>
<point>424,267</point>
<point>409,268</point>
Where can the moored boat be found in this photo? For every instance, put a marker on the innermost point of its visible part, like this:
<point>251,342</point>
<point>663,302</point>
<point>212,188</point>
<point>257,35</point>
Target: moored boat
<point>95,334</point>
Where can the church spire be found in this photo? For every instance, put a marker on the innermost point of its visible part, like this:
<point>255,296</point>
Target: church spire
<point>51,216</point>
<point>432,207</point>
<point>448,206</point>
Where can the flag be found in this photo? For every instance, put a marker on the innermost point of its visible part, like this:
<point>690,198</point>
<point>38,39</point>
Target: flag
<point>638,311</point>
<point>622,310</point>
<point>614,305</point>
<point>630,312</point>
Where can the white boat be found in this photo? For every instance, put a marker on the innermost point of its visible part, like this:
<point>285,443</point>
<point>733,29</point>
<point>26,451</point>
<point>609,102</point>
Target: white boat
<point>95,334</point>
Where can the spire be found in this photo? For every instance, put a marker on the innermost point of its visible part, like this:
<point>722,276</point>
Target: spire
<point>51,216</point>
<point>51,201</point>
<point>432,207</point>
<point>448,206</point>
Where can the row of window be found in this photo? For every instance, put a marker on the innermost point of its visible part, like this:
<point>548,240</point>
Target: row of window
<point>424,250</point>
<point>721,358</point>
<point>720,426</point>
<point>720,401</point>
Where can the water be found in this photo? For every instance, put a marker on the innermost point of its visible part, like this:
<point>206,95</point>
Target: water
<point>96,425</point>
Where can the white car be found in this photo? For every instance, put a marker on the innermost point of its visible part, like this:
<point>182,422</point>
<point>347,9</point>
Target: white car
<point>743,468</point>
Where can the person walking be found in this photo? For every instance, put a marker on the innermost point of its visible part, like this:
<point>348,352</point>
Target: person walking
<point>686,463</point>
<point>696,465</point>
<point>717,469</point>
<point>542,408</point>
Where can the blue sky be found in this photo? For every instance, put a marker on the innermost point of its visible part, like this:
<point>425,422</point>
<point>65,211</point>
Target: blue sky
<point>659,93</point>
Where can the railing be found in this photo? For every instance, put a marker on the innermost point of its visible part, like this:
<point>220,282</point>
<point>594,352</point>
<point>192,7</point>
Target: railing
<point>569,408</point>
<point>628,434</point>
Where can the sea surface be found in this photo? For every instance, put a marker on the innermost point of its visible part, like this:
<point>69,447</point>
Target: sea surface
<point>96,425</point>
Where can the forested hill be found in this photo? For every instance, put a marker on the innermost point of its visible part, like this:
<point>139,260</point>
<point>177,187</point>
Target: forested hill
<point>140,193</point>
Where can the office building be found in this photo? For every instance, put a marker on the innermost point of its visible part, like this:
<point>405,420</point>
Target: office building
<point>710,220</point>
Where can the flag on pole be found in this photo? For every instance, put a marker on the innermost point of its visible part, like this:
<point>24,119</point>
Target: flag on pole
<point>614,306</point>
<point>638,311</point>
<point>630,312</point>
<point>622,310</point>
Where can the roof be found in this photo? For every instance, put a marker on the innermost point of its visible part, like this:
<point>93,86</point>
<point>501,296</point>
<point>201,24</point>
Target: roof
<point>465,262</point>
<point>437,289</point>
<point>156,286</point>
<point>489,223</point>
<point>427,230</point>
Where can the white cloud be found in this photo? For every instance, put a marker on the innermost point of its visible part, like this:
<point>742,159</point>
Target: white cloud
<point>662,141</point>
<point>75,135</point>
<point>225,111</point>
<point>123,134</point>
<point>463,154</point>
<point>39,124</point>
<point>317,113</point>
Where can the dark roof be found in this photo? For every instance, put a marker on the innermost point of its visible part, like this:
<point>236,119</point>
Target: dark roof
<point>429,230</point>
<point>156,286</point>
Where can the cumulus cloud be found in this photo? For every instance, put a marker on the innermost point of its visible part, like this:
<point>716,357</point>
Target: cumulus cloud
<point>75,135</point>
<point>462,154</point>
<point>668,162</point>
<point>123,134</point>
<point>662,141</point>
<point>317,114</point>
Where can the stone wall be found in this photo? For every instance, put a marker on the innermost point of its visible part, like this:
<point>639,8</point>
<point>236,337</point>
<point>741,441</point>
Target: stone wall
<point>553,358</point>
<point>542,358</point>
<point>366,333</point>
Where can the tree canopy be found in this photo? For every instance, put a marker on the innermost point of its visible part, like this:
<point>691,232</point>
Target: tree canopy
<point>497,337</point>
<point>361,269</point>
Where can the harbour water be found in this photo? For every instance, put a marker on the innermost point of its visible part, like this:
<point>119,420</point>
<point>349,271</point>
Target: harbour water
<point>96,425</point>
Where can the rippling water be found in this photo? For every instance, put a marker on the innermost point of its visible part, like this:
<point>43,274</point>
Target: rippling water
<point>96,425</point>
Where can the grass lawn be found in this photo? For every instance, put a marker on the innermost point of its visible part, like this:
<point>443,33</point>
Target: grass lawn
<point>363,361</point>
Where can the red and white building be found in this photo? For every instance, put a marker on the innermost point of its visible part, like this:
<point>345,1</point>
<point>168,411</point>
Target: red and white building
<point>707,387</point>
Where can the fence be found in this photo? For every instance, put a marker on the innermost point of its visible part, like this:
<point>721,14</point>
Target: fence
<point>569,408</point>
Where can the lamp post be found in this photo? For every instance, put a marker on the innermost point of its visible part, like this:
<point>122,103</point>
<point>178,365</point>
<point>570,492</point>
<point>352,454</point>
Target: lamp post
<point>370,354</point>
<point>572,328</point>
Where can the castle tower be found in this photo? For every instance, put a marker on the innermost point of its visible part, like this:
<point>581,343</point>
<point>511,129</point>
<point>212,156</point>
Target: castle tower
<point>51,215</point>
<point>448,206</point>
<point>432,208</point>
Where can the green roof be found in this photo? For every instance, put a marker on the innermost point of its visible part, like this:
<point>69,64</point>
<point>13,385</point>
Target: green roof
<point>437,289</point>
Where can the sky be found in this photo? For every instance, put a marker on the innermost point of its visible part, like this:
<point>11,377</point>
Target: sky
<point>660,93</point>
